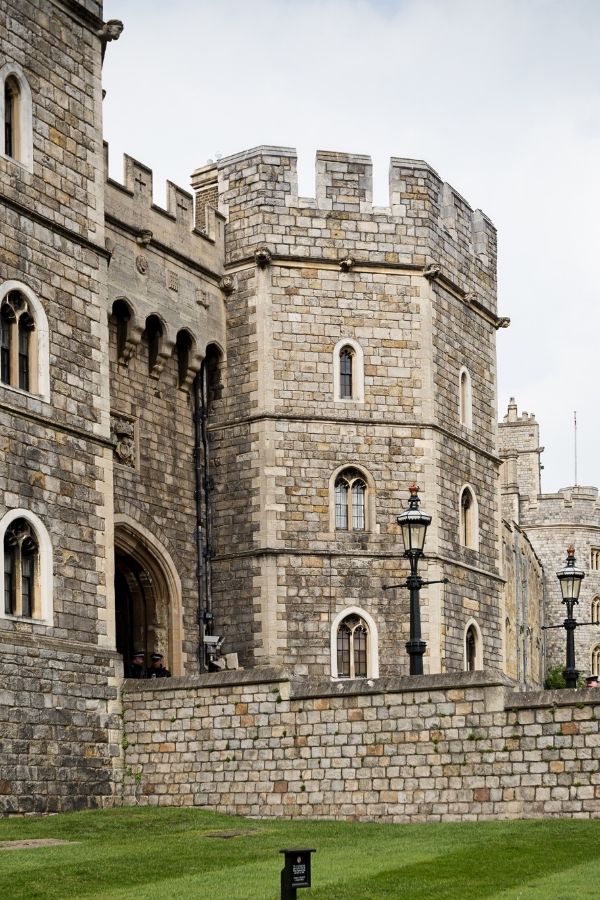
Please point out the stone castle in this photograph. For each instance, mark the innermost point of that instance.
(210, 415)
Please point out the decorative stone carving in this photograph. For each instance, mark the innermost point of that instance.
(144, 235)
(263, 257)
(502, 322)
(227, 284)
(202, 298)
(141, 263)
(172, 281)
(123, 437)
(432, 271)
(110, 31)
(346, 263)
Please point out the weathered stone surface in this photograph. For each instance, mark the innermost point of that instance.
(464, 757)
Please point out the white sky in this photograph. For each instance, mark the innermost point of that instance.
(501, 97)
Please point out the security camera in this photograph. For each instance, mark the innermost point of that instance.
(213, 641)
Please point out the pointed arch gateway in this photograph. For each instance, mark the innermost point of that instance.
(148, 607)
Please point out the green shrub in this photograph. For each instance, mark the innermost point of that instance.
(555, 679)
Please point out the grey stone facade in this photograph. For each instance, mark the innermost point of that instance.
(59, 736)
(176, 453)
(425, 749)
(551, 523)
(413, 286)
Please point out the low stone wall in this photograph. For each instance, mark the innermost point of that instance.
(398, 750)
(59, 728)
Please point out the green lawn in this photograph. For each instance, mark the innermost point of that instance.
(172, 854)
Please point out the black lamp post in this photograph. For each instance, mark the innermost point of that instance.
(570, 580)
(414, 524)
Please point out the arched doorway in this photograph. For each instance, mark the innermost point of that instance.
(147, 597)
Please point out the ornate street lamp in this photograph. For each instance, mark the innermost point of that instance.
(570, 580)
(414, 524)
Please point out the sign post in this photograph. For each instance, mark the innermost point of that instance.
(295, 873)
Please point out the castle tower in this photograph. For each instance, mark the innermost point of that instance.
(360, 358)
(551, 522)
(56, 637)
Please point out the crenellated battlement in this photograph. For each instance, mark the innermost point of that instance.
(427, 222)
(130, 204)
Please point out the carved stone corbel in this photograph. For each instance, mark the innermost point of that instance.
(192, 370)
(432, 271)
(228, 284)
(346, 264)
(164, 353)
(110, 31)
(502, 322)
(263, 257)
(143, 237)
(110, 248)
(134, 336)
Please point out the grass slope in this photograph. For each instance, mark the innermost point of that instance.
(175, 854)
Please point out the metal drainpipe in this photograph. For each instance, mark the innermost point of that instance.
(208, 483)
(199, 465)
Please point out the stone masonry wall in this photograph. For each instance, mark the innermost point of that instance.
(58, 673)
(59, 732)
(556, 520)
(412, 287)
(161, 267)
(395, 750)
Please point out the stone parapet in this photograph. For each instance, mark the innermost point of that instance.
(427, 223)
(173, 229)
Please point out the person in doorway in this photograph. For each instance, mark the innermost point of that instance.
(136, 668)
(591, 681)
(157, 670)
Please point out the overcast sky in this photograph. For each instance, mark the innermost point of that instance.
(501, 97)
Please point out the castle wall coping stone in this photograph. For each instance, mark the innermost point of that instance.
(228, 678)
(303, 688)
(541, 699)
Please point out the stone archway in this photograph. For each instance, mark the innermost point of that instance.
(147, 596)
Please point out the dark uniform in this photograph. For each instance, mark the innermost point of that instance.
(136, 668)
(157, 670)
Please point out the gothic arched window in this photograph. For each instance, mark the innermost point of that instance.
(596, 660)
(596, 611)
(346, 365)
(21, 570)
(350, 501)
(12, 94)
(465, 399)
(18, 343)
(16, 115)
(348, 371)
(470, 648)
(468, 513)
(352, 642)
(473, 647)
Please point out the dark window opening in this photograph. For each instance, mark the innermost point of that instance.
(471, 648)
(154, 334)
(346, 364)
(9, 119)
(184, 348)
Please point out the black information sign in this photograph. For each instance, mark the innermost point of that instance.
(295, 873)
